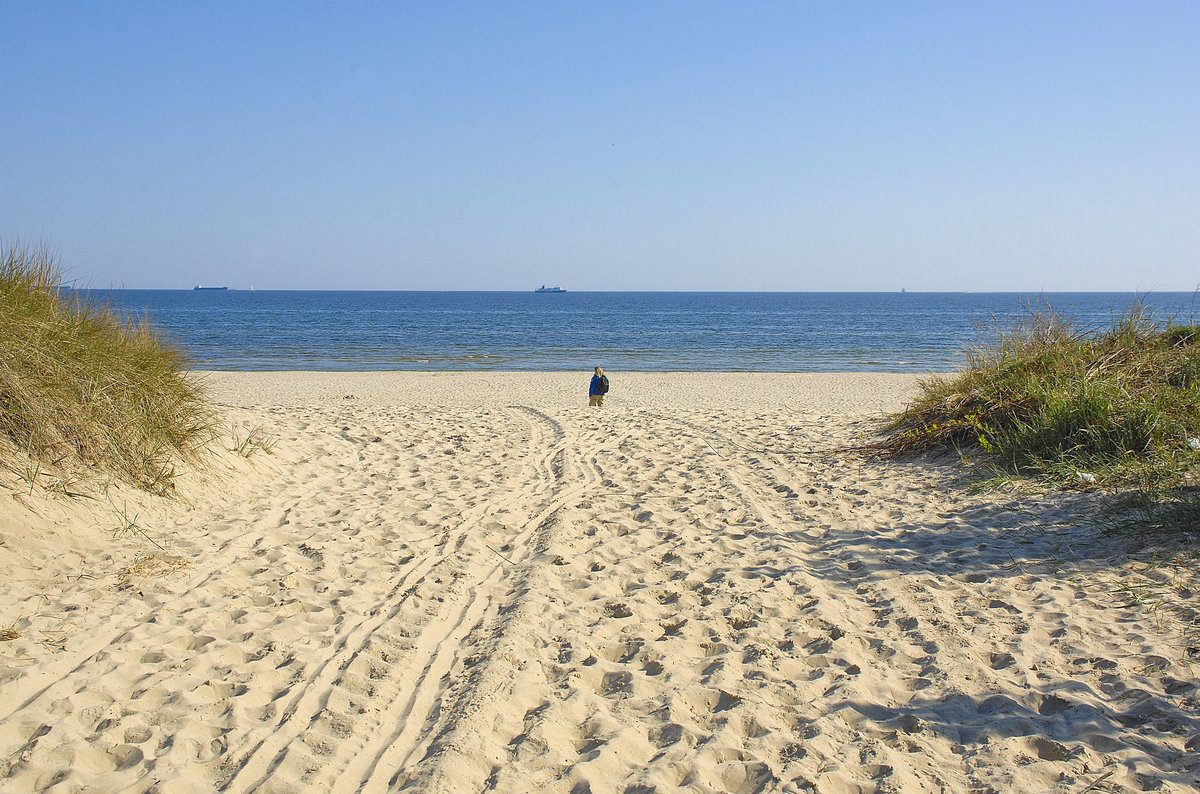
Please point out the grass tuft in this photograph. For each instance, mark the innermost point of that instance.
(86, 391)
(256, 440)
(1118, 407)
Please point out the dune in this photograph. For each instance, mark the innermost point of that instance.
(448, 582)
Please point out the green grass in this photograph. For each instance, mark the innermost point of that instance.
(84, 391)
(1042, 398)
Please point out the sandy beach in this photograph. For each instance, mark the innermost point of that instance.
(466, 582)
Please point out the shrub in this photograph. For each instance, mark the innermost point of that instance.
(1041, 396)
(82, 388)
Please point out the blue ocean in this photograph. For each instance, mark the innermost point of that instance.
(630, 331)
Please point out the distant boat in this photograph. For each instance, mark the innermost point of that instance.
(544, 288)
(202, 288)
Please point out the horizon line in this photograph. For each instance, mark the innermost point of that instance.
(1194, 290)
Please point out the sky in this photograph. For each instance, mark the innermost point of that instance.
(773, 146)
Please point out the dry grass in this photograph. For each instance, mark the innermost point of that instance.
(146, 566)
(84, 391)
(255, 441)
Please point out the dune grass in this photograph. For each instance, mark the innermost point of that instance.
(85, 392)
(1118, 407)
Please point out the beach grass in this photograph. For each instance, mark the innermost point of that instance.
(85, 391)
(1116, 407)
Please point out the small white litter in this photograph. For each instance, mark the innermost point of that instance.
(1086, 476)
(1194, 443)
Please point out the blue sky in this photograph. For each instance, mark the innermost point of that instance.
(606, 146)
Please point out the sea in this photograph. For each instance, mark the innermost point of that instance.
(621, 331)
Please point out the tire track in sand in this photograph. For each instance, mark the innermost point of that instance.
(385, 655)
(454, 589)
(388, 751)
(449, 757)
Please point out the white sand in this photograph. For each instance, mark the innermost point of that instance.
(472, 582)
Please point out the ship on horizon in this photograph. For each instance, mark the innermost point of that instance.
(202, 288)
(544, 288)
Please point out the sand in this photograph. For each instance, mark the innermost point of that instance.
(473, 582)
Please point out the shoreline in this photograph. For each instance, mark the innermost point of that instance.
(820, 392)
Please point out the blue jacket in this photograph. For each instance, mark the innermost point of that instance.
(594, 389)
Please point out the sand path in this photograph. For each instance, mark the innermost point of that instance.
(502, 590)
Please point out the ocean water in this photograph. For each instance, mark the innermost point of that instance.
(629, 331)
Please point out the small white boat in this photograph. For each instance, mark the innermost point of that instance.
(544, 288)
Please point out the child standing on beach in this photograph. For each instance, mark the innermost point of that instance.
(598, 388)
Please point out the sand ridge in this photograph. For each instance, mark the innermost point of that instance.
(472, 582)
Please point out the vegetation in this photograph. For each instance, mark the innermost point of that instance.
(1119, 407)
(85, 391)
